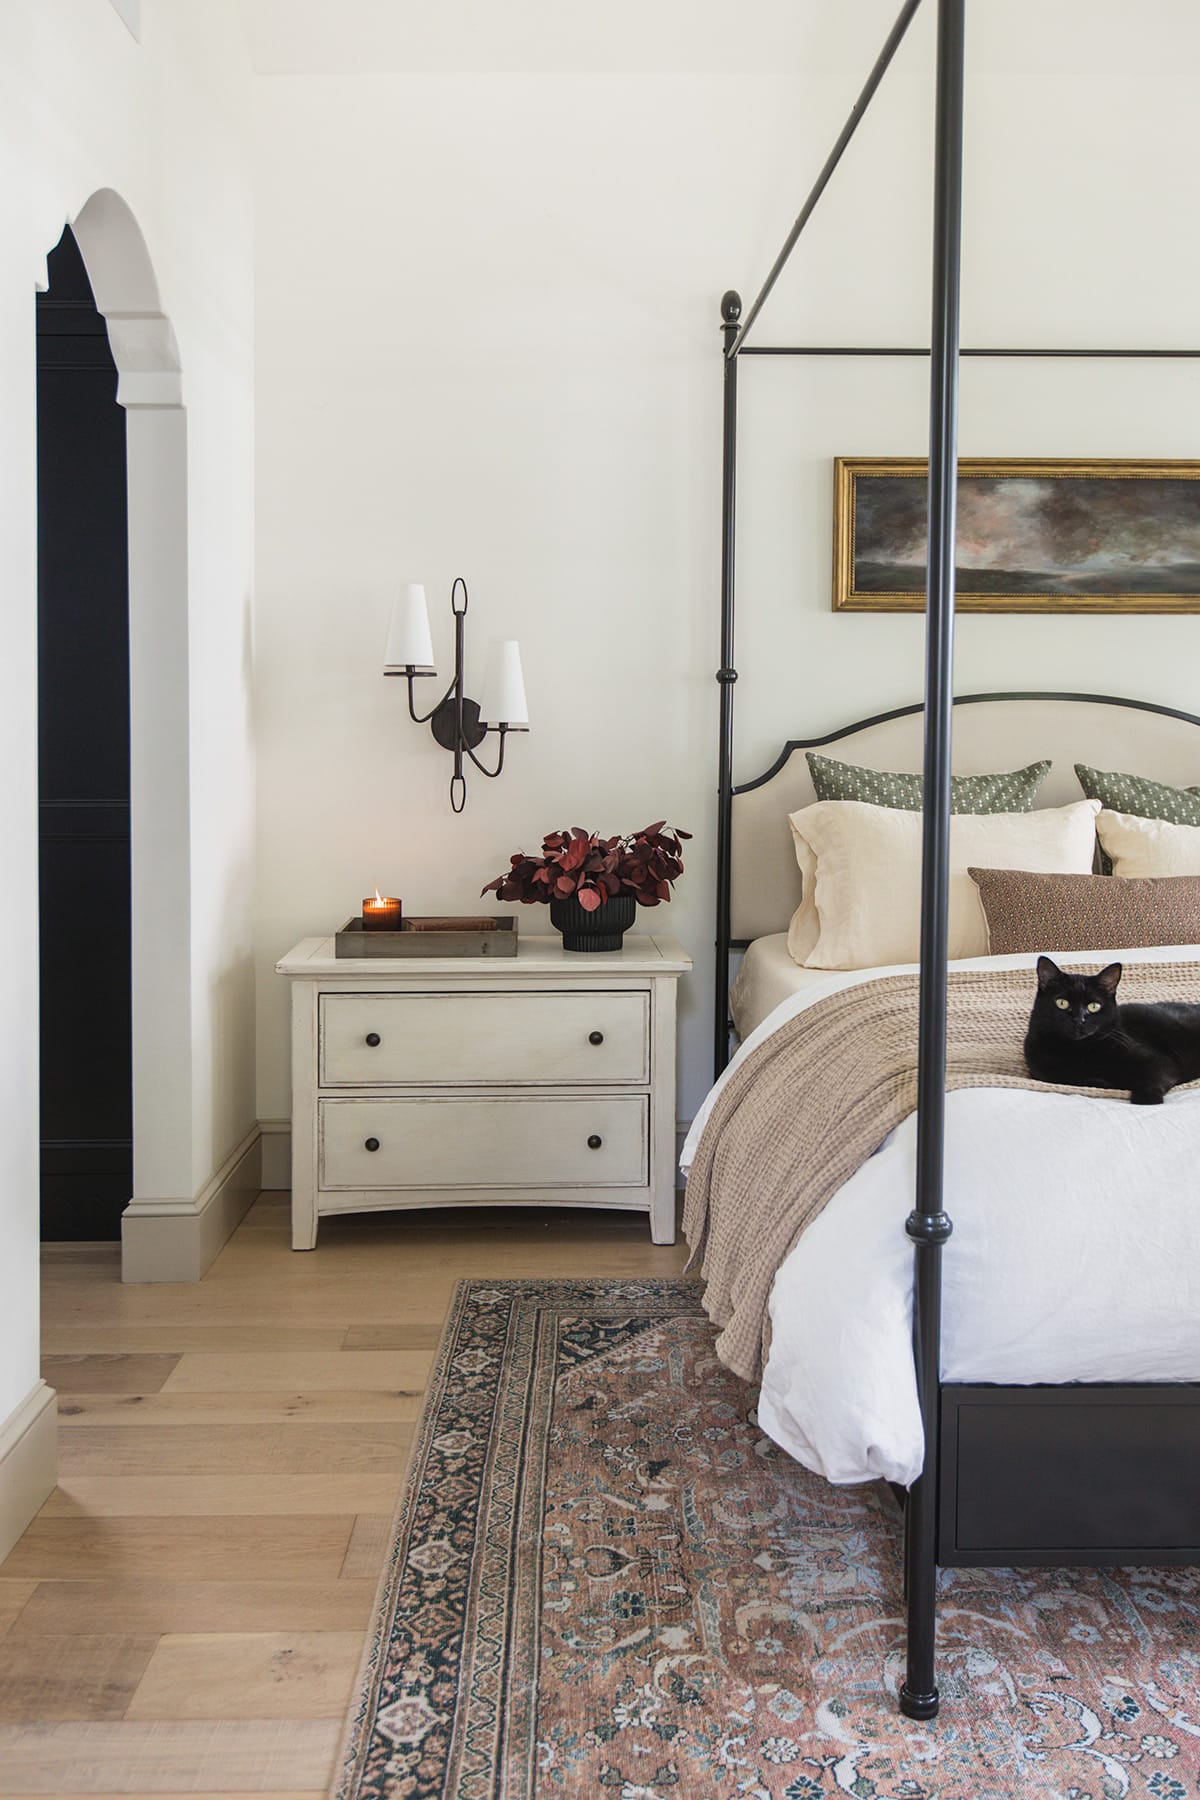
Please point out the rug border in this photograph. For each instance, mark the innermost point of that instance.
(349, 1741)
(352, 1728)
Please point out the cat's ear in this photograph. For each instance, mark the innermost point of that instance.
(1047, 973)
(1108, 978)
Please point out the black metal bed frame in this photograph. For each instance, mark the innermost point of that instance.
(1005, 1467)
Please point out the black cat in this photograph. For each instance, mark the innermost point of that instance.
(1080, 1036)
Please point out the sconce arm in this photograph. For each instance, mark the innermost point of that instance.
(483, 769)
(424, 718)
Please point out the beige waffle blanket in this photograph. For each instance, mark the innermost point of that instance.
(812, 1103)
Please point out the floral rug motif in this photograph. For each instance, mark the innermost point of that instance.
(606, 1581)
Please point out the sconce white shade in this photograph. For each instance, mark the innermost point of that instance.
(504, 701)
(409, 643)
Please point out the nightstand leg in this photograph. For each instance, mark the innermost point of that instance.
(304, 1224)
(662, 1114)
(662, 1215)
(304, 1115)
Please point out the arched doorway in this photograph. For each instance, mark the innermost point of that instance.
(149, 389)
(83, 765)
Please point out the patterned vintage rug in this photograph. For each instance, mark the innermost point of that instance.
(605, 1581)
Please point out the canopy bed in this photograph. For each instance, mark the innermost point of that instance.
(1013, 1461)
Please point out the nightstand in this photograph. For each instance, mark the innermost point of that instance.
(545, 1079)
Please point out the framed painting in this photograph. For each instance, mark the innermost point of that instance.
(1049, 536)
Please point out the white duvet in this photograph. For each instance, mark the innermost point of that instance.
(1075, 1257)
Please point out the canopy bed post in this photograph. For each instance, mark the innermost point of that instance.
(731, 311)
(928, 1224)
(734, 335)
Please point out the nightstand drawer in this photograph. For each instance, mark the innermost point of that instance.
(484, 1039)
(493, 1141)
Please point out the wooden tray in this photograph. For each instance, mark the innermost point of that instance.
(413, 941)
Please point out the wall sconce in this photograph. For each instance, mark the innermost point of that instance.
(459, 725)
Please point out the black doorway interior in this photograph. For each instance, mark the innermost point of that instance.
(83, 765)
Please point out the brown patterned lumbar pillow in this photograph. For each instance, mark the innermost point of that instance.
(1026, 911)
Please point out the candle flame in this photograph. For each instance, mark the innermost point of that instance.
(378, 895)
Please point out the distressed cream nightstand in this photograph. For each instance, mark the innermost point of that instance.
(546, 1078)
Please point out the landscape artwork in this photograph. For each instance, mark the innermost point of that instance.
(1061, 536)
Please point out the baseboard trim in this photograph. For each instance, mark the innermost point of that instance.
(28, 1462)
(176, 1240)
(276, 1154)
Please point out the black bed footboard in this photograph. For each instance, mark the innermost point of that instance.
(1091, 1474)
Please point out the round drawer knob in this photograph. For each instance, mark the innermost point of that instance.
(595, 1037)
(371, 1144)
(594, 1142)
(373, 1039)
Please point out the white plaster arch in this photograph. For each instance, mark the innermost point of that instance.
(123, 281)
(149, 387)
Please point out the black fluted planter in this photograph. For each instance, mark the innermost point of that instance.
(599, 930)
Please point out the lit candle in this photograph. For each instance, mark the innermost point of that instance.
(381, 914)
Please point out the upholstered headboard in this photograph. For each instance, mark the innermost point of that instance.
(991, 732)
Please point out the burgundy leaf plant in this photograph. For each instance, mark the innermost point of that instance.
(580, 865)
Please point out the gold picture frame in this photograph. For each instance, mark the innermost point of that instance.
(1129, 547)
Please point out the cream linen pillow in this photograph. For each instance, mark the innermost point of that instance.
(861, 866)
(805, 926)
(1148, 846)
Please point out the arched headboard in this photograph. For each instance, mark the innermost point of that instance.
(991, 732)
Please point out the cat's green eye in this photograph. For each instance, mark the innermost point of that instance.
(1062, 1002)
(1093, 1006)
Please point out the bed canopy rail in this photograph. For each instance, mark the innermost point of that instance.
(1030, 353)
(895, 38)
(928, 1224)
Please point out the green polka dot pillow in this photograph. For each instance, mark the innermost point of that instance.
(1138, 795)
(1011, 792)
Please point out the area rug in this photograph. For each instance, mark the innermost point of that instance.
(606, 1581)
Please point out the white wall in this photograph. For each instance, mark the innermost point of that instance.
(84, 106)
(487, 344)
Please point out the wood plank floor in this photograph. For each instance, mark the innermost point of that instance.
(185, 1615)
